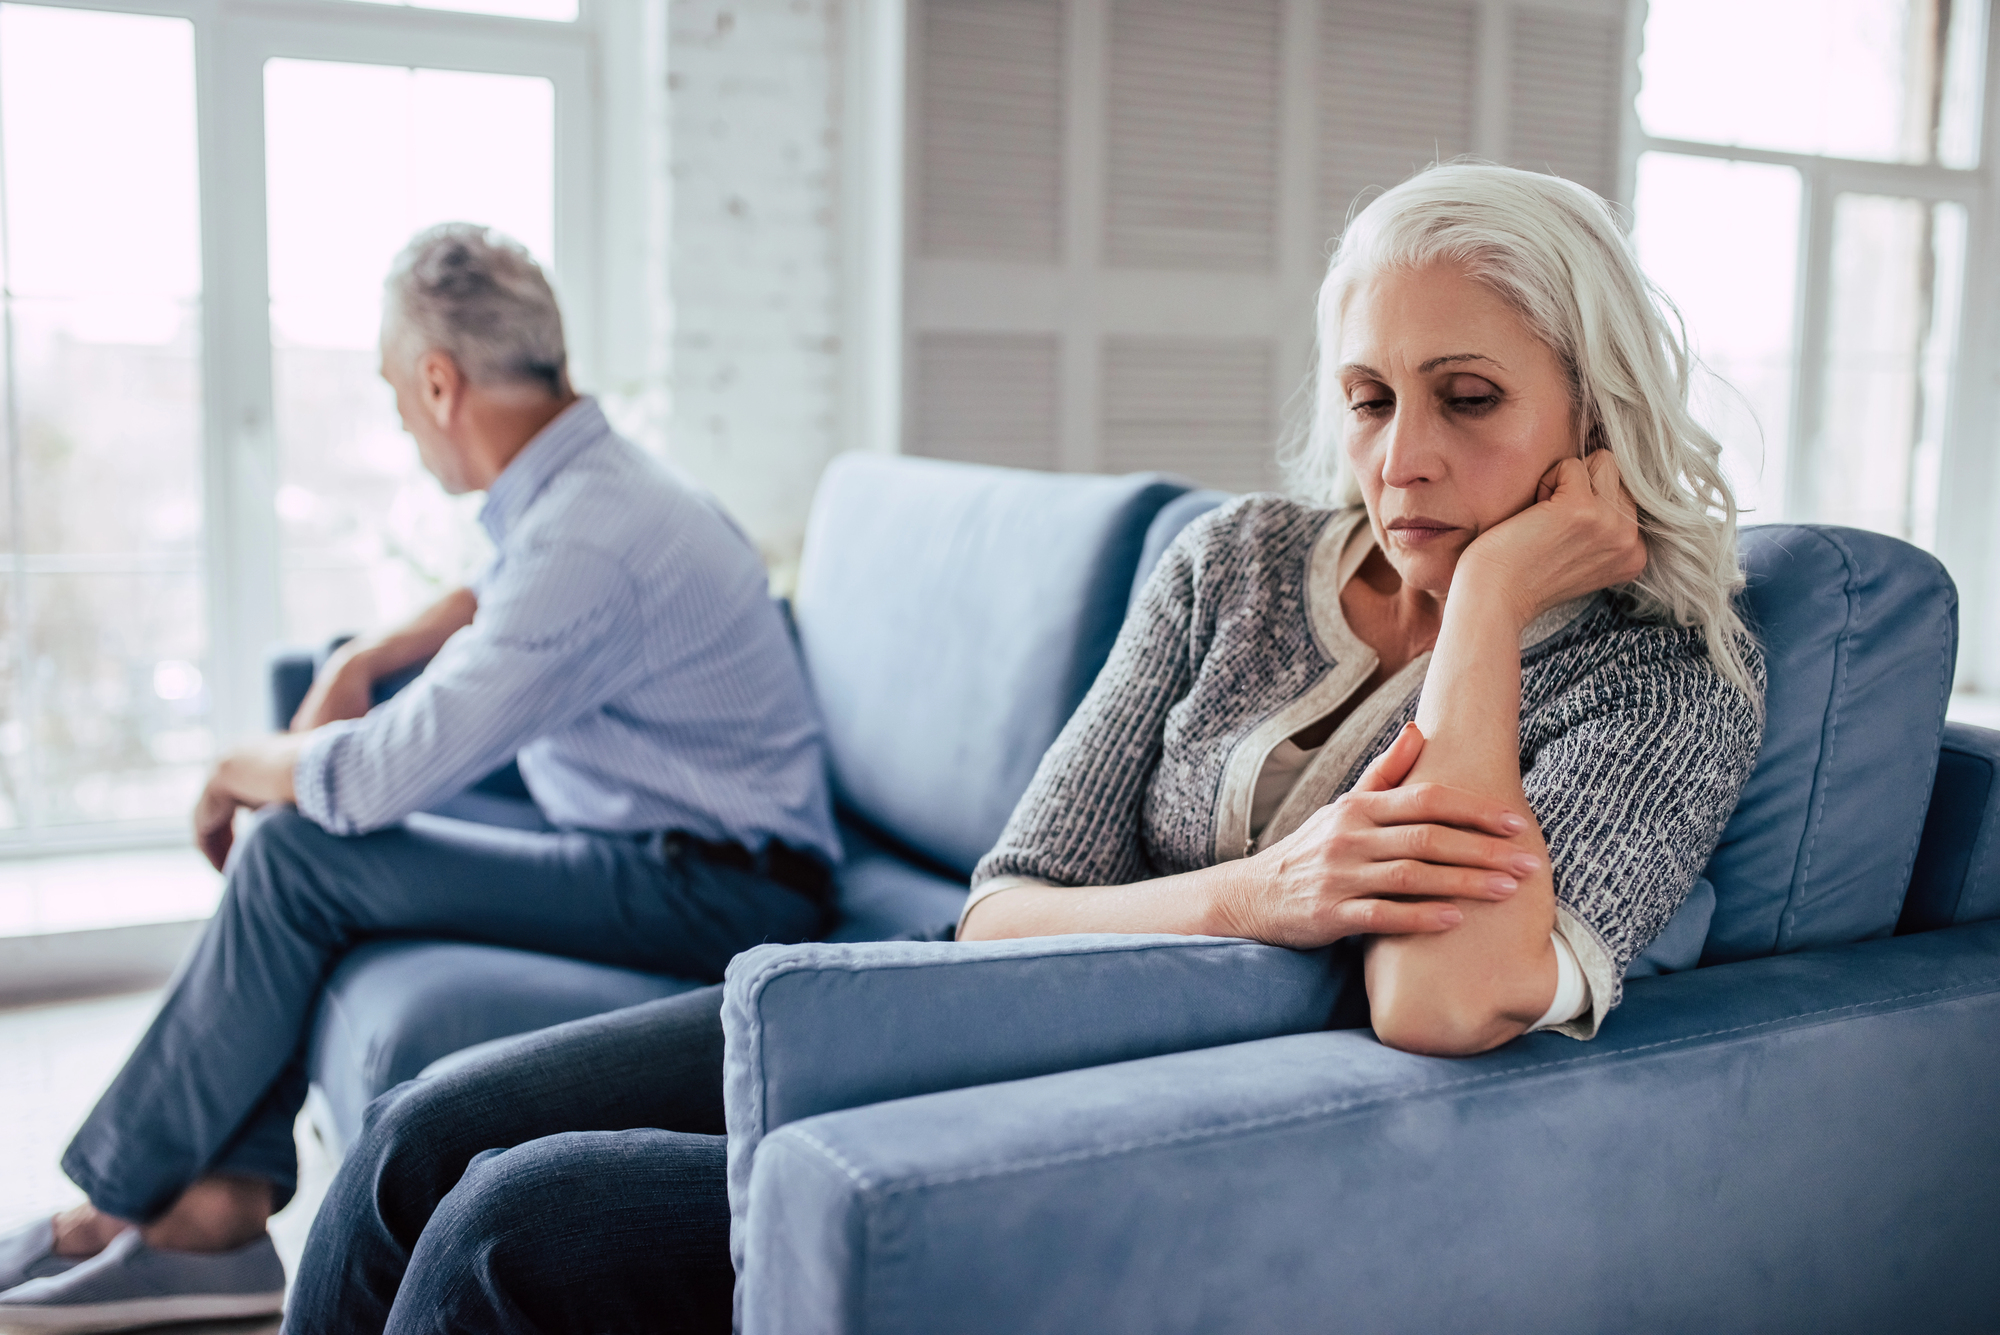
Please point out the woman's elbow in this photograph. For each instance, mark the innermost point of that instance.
(1435, 1030)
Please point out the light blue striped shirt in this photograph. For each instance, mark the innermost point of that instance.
(625, 648)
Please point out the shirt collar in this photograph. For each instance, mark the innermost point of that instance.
(570, 432)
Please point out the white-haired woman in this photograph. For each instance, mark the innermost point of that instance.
(1556, 745)
(1496, 390)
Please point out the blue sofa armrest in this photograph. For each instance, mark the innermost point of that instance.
(1957, 874)
(817, 1027)
(1802, 1142)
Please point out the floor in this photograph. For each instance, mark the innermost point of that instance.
(54, 1061)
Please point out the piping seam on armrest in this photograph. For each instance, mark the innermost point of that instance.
(1298, 1115)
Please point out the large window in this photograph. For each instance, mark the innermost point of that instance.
(1819, 218)
(197, 207)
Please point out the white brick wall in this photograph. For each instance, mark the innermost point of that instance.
(753, 94)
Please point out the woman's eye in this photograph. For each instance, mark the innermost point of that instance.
(1369, 400)
(1471, 394)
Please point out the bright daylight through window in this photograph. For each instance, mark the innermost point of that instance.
(1839, 368)
(106, 712)
(353, 171)
(199, 466)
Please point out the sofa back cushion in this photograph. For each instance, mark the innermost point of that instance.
(1860, 632)
(951, 617)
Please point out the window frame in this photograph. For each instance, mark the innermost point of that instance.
(241, 554)
(1969, 489)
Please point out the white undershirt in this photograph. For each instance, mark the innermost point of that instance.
(1281, 771)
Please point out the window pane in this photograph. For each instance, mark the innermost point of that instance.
(106, 713)
(1897, 271)
(1879, 79)
(1721, 239)
(355, 169)
(122, 731)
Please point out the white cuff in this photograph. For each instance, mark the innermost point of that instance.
(992, 885)
(1572, 988)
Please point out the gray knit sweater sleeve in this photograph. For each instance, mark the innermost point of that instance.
(1079, 821)
(1632, 760)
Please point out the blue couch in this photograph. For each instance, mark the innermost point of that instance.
(1153, 1134)
(950, 617)
(1164, 1134)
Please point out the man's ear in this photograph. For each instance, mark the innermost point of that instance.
(439, 384)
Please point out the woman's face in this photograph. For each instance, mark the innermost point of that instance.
(1452, 412)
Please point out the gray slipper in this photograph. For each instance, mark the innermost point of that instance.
(30, 1253)
(129, 1284)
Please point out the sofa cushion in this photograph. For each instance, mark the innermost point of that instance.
(884, 894)
(391, 1008)
(1859, 632)
(1174, 516)
(1957, 877)
(951, 616)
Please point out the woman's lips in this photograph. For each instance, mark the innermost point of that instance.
(1419, 532)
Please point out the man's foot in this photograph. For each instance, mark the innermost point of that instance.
(129, 1284)
(30, 1253)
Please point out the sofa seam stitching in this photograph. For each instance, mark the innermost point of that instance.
(1830, 732)
(1323, 1109)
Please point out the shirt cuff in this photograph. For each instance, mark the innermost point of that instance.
(1603, 979)
(312, 774)
(990, 886)
(1572, 988)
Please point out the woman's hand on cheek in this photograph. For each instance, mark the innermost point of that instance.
(1381, 860)
(1582, 534)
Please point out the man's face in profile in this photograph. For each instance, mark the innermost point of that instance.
(434, 448)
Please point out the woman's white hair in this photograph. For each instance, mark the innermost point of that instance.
(478, 296)
(1555, 253)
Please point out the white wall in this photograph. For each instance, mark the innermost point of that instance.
(753, 92)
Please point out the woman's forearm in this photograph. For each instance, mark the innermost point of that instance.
(1487, 980)
(1186, 905)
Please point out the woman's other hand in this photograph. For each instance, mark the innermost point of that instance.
(1379, 860)
(1582, 534)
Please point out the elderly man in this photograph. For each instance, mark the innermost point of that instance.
(621, 644)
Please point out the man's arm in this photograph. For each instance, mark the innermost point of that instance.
(342, 688)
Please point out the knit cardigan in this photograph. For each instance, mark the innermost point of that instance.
(1633, 747)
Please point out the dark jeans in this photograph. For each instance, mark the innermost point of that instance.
(217, 1080)
(571, 1180)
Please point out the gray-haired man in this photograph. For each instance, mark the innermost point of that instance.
(621, 644)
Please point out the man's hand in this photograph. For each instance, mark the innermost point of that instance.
(340, 690)
(250, 776)
(1382, 859)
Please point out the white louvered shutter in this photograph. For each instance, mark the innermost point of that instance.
(1396, 93)
(1122, 207)
(1565, 108)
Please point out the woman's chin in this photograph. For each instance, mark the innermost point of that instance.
(1425, 571)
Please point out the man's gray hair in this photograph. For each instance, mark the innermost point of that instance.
(479, 297)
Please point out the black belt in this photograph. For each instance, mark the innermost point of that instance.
(789, 867)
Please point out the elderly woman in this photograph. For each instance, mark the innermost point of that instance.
(1496, 390)
(1483, 704)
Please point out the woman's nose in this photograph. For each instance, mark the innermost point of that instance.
(1412, 449)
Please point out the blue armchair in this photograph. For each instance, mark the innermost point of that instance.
(950, 616)
(1163, 1134)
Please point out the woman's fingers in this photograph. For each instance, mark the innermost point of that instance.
(1407, 878)
(1390, 917)
(1393, 765)
(1437, 804)
(1444, 846)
